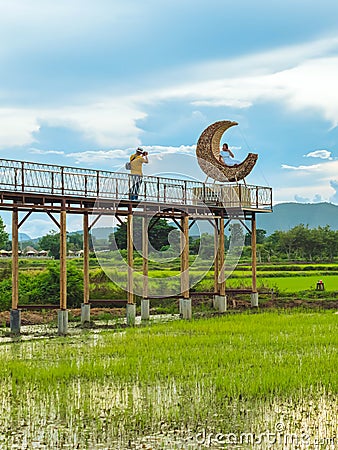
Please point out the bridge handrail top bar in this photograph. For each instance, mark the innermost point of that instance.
(110, 173)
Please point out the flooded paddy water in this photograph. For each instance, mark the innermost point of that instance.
(204, 384)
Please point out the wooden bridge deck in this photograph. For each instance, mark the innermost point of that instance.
(50, 187)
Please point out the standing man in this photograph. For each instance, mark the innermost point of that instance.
(136, 162)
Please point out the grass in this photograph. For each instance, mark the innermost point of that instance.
(228, 373)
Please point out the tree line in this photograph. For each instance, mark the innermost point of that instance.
(298, 243)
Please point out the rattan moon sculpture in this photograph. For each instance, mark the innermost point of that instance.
(207, 152)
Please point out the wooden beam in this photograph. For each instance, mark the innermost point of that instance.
(25, 218)
(154, 222)
(145, 256)
(53, 219)
(85, 258)
(15, 259)
(63, 261)
(130, 259)
(254, 253)
(179, 225)
(94, 222)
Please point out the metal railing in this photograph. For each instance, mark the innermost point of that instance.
(47, 179)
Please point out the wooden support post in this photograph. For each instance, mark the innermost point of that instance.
(254, 253)
(85, 306)
(145, 255)
(216, 257)
(221, 258)
(85, 259)
(185, 258)
(130, 260)
(15, 259)
(181, 258)
(63, 261)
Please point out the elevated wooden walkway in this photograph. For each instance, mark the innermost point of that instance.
(31, 187)
(49, 187)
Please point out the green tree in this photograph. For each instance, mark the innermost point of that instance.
(158, 231)
(204, 246)
(75, 241)
(236, 233)
(51, 242)
(3, 235)
(45, 287)
(260, 237)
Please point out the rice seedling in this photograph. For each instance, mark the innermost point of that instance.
(170, 384)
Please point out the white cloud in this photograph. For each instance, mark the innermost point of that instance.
(314, 167)
(37, 151)
(314, 182)
(307, 192)
(98, 156)
(17, 127)
(158, 151)
(316, 199)
(108, 123)
(322, 154)
(324, 171)
(113, 156)
(295, 76)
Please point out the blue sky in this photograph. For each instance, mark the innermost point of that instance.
(82, 83)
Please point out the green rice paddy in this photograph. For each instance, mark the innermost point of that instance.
(177, 384)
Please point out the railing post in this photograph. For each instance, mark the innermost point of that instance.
(185, 193)
(15, 178)
(62, 182)
(52, 188)
(270, 190)
(22, 176)
(85, 185)
(240, 195)
(257, 199)
(158, 189)
(97, 183)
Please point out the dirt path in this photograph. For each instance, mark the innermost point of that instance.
(50, 316)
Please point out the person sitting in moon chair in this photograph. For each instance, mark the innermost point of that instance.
(227, 157)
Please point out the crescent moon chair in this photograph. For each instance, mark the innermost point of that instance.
(207, 152)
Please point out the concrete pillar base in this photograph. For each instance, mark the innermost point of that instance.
(254, 298)
(221, 303)
(215, 301)
(180, 308)
(85, 313)
(186, 308)
(62, 322)
(15, 321)
(131, 314)
(145, 309)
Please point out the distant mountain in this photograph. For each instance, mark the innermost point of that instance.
(98, 232)
(287, 215)
(22, 237)
(103, 232)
